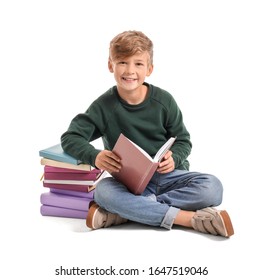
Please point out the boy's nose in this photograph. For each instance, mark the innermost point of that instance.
(130, 69)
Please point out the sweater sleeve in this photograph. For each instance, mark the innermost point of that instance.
(176, 127)
(83, 129)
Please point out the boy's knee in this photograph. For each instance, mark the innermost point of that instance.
(215, 191)
(101, 191)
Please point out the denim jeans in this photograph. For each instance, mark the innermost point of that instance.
(162, 199)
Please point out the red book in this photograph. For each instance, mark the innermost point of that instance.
(56, 173)
(86, 179)
(78, 188)
(137, 165)
(55, 169)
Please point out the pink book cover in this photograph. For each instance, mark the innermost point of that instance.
(65, 201)
(78, 176)
(47, 210)
(78, 188)
(71, 177)
(137, 168)
(137, 165)
(54, 169)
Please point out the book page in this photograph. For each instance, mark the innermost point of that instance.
(162, 151)
(141, 150)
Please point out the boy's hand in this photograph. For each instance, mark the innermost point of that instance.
(167, 164)
(107, 160)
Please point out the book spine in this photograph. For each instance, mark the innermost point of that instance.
(65, 201)
(60, 158)
(89, 195)
(56, 152)
(70, 182)
(54, 169)
(53, 211)
(79, 188)
(70, 176)
(60, 164)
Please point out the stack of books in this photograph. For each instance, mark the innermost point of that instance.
(70, 184)
(63, 203)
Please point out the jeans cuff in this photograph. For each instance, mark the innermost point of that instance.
(169, 217)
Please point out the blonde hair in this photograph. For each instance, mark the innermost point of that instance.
(129, 43)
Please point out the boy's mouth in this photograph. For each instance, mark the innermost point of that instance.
(129, 79)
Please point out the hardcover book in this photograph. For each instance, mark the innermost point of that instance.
(137, 165)
(54, 169)
(61, 164)
(55, 173)
(70, 182)
(47, 210)
(77, 188)
(73, 179)
(56, 152)
(65, 201)
(89, 195)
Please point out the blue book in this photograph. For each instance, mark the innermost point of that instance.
(57, 153)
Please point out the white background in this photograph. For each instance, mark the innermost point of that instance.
(53, 63)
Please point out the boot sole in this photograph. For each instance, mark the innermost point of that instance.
(91, 212)
(227, 222)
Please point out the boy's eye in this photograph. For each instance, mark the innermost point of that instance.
(124, 63)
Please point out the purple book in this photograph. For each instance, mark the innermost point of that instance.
(47, 210)
(65, 201)
(74, 193)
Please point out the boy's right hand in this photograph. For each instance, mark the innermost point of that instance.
(107, 160)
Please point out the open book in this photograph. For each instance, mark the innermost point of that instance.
(137, 165)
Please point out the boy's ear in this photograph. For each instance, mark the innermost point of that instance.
(110, 66)
(150, 70)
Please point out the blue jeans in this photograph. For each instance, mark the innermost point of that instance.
(162, 199)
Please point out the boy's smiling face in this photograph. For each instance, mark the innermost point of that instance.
(130, 72)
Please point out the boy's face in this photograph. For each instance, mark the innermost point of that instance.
(130, 72)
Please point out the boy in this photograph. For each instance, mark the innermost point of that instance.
(148, 116)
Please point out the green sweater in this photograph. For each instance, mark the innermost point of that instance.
(149, 124)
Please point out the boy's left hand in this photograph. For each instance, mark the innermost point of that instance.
(167, 164)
